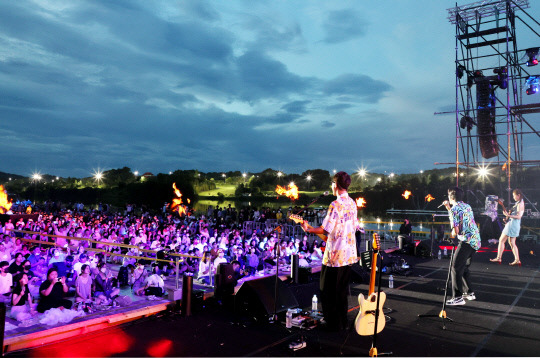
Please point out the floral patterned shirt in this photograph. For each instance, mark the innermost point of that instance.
(341, 223)
(462, 218)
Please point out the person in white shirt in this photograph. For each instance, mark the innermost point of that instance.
(6, 281)
(220, 259)
(153, 284)
(205, 269)
(4, 254)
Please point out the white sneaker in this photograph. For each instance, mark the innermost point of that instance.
(469, 296)
(457, 301)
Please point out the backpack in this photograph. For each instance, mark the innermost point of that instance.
(123, 278)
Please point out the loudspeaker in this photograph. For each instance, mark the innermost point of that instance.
(256, 297)
(294, 268)
(224, 280)
(359, 274)
(423, 249)
(487, 136)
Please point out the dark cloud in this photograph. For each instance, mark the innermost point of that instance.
(338, 107)
(356, 86)
(296, 106)
(327, 124)
(344, 25)
(262, 76)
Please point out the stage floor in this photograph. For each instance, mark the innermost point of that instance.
(502, 321)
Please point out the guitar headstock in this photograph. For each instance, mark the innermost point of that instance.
(296, 218)
(376, 241)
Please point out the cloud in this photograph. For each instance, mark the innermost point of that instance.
(344, 25)
(327, 124)
(296, 106)
(356, 86)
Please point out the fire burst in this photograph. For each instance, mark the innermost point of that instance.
(290, 192)
(177, 202)
(429, 198)
(5, 205)
(361, 202)
(406, 194)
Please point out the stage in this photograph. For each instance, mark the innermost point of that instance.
(502, 321)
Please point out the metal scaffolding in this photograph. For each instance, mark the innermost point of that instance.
(491, 78)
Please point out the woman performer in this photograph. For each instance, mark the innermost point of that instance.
(511, 229)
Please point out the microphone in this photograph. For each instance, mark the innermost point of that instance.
(443, 204)
(324, 194)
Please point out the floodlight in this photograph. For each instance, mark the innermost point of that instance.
(532, 53)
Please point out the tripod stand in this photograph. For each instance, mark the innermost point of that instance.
(442, 314)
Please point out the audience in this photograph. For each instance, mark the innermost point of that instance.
(72, 268)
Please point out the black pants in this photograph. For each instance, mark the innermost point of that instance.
(334, 289)
(460, 269)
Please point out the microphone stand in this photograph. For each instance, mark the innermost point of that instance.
(277, 229)
(312, 202)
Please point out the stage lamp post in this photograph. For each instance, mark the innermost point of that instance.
(244, 176)
(483, 172)
(362, 174)
(98, 177)
(36, 177)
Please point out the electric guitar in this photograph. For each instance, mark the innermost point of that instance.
(365, 321)
(505, 220)
(299, 220)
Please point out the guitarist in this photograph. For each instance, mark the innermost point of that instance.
(339, 225)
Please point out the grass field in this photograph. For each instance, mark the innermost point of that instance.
(225, 189)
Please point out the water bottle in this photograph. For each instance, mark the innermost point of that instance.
(439, 256)
(288, 319)
(445, 252)
(314, 304)
(391, 281)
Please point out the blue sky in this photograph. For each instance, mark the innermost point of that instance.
(226, 85)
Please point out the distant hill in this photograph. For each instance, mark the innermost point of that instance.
(5, 177)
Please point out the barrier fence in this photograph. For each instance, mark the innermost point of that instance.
(105, 252)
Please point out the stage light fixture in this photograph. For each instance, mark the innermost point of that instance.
(466, 122)
(502, 77)
(460, 71)
(534, 83)
(532, 53)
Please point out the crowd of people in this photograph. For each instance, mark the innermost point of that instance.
(74, 273)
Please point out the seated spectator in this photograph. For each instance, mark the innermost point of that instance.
(153, 285)
(22, 306)
(4, 254)
(252, 259)
(34, 256)
(83, 258)
(6, 281)
(105, 290)
(220, 259)
(31, 278)
(83, 285)
(16, 266)
(205, 269)
(52, 292)
(41, 269)
(57, 256)
(138, 278)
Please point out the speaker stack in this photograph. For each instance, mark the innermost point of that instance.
(485, 101)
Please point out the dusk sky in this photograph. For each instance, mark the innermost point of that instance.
(227, 85)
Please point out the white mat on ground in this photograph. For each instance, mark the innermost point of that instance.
(56, 315)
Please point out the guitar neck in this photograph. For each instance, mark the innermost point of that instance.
(299, 220)
(373, 274)
(322, 236)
